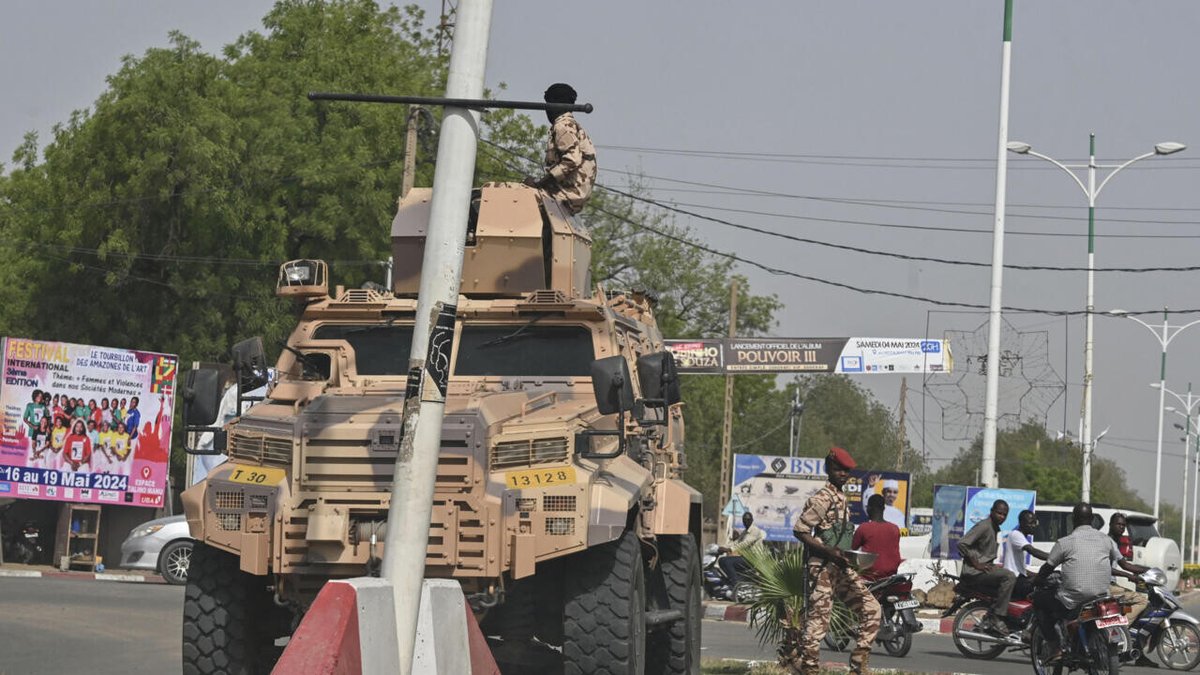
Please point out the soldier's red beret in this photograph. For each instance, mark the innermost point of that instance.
(841, 457)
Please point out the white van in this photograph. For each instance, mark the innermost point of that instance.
(1150, 549)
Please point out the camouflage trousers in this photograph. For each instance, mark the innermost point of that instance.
(827, 582)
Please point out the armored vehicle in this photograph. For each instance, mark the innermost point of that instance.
(559, 504)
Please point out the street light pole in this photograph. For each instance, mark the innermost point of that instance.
(1164, 337)
(1091, 191)
(992, 393)
(1188, 404)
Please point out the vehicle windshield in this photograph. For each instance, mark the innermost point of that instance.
(525, 350)
(1141, 531)
(379, 349)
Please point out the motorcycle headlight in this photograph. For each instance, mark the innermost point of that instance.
(145, 531)
(1155, 577)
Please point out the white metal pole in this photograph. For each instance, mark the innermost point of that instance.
(1162, 403)
(1088, 341)
(411, 504)
(992, 401)
(1195, 499)
(1187, 437)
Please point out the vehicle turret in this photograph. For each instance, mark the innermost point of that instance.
(519, 240)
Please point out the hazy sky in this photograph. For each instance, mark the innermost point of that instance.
(859, 121)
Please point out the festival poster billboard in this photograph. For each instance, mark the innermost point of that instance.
(775, 489)
(949, 516)
(957, 508)
(84, 423)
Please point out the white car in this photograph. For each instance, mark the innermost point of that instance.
(163, 545)
(1149, 549)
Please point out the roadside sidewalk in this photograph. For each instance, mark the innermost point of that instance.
(48, 572)
(716, 610)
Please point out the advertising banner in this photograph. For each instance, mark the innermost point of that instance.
(85, 424)
(855, 355)
(774, 489)
(957, 508)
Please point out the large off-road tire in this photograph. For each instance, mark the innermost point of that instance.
(225, 618)
(675, 650)
(604, 611)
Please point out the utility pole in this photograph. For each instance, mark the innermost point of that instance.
(410, 148)
(727, 427)
(902, 434)
(411, 507)
(794, 431)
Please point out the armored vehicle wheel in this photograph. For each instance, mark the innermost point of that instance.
(224, 617)
(604, 613)
(676, 648)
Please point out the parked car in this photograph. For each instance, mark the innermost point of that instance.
(1149, 547)
(163, 545)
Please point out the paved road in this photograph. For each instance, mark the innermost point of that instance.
(54, 626)
(930, 654)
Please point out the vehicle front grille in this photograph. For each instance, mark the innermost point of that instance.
(260, 447)
(230, 522)
(527, 452)
(560, 526)
(229, 500)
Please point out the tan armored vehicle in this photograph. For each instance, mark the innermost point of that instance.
(558, 507)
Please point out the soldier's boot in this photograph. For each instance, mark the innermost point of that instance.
(858, 662)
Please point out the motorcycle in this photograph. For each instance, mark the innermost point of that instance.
(971, 605)
(1093, 638)
(1164, 629)
(24, 546)
(898, 619)
(718, 585)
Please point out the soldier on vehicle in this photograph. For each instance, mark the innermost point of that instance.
(978, 550)
(570, 155)
(825, 530)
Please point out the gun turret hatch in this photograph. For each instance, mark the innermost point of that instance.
(519, 240)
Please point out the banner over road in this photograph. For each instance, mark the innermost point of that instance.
(854, 355)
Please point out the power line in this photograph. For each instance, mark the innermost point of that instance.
(782, 272)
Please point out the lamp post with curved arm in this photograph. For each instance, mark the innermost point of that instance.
(1092, 191)
(1164, 334)
(1188, 404)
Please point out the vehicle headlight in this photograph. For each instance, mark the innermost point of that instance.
(145, 531)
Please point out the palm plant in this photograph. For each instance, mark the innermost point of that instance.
(777, 611)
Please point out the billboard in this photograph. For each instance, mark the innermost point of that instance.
(957, 508)
(84, 423)
(855, 355)
(775, 489)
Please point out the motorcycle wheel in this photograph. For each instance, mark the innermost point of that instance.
(745, 593)
(838, 641)
(1179, 647)
(966, 619)
(1039, 650)
(899, 645)
(1104, 657)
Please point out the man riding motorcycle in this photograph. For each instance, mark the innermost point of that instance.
(735, 565)
(1087, 557)
(978, 551)
(1018, 553)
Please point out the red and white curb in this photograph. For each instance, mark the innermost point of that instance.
(80, 576)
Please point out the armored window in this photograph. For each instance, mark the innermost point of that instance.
(527, 350)
(379, 349)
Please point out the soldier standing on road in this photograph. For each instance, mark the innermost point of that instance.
(570, 155)
(825, 530)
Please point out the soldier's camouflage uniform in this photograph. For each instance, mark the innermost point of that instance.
(825, 508)
(571, 162)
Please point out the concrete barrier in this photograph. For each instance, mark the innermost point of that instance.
(350, 630)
